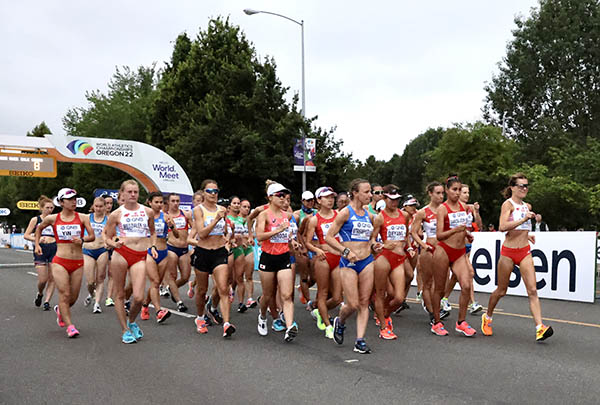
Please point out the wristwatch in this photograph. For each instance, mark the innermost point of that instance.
(346, 252)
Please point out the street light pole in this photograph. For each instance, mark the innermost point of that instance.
(249, 11)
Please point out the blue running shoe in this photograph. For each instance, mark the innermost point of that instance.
(135, 329)
(128, 337)
(338, 331)
(360, 346)
(278, 325)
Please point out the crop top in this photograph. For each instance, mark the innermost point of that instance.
(393, 228)
(357, 228)
(67, 231)
(519, 212)
(133, 223)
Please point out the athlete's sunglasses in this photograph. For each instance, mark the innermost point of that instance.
(523, 186)
(280, 194)
(212, 191)
(378, 192)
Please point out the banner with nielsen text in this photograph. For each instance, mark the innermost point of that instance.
(565, 265)
(310, 149)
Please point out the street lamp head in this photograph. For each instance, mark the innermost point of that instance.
(250, 11)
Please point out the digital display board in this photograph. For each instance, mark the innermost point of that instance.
(27, 165)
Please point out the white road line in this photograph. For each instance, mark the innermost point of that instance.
(28, 264)
(175, 312)
(351, 361)
(31, 273)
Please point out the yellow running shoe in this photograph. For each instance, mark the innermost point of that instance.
(486, 325)
(543, 333)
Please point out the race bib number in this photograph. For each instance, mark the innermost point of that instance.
(457, 219)
(180, 222)
(68, 231)
(98, 228)
(281, 237)
(396, 232)
(361, 230)
(518, 214)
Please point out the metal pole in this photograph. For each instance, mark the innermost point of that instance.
(303, 115)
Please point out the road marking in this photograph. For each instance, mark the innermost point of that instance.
(32, 273)
(351, 361)
(28, 264)
(175, 312)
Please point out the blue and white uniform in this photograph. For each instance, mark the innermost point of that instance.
(358, 228)
(162, 232)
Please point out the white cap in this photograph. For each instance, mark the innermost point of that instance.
(308, 195)
(64, 193)
(410, 200)
(324, 192)
(275, 188)
(380, 205)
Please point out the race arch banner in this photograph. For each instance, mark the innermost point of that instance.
(155, 169)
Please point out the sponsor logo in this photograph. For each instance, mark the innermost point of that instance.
(114, 149)
(165, 171)
(78, 146)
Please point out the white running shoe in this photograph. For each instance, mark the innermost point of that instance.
(475, 307)
(262, 325)
(88, 300)
(445, 304)
(97, 308)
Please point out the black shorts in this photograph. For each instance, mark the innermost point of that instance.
(274, 263)
(207, 260)
(48, 252)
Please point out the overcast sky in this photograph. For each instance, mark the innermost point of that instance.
(382, 72)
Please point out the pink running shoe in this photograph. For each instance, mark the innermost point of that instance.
(465, 329)
(59, 319)
(72, 332)
(145, 314)
(438, 329)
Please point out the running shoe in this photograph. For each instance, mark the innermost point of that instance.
(317, 316)
(475, 307)
(360, 346)
(250, 303)
(231, 295)
(127, 305)
(97, 309)
(402, 307)
(207, 319)
(444, 314)
(145, 314)
(242, 308)
(329, 332)
(88, 300)
(431, 318)
(445, 304)
(465, 329)
(309, 306)
(201, 326)
(338, 330)
(38, 300)
(486, 325)
(190, 290)
(377, 323)
(262, 325)
(46, 306)
(59, 319)
(135, 329)
(282, 316)
(109, 302)
(291, 332)
(72, 332)
(162, 315)
(424, 306)
(164, 291)
(214, 314)
(128, 337)
(543, 333)
(388, 323)
(419, 295)
(181, 307)
(228, 330)
(278, 325)
(302, 298)
(438, 329)
(387, 334)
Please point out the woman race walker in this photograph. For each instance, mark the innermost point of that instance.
(135, 222)
(95, 256)
(211, 259)
(157, 267)
(354, 225)
(327, 272)
(248, 245)
(450, 252)
(43, 262)
(272, 229)
(178, 249)
(515, 220)
(67, 264)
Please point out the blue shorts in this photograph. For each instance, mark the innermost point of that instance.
(292, 259)
(468, 247)
(48, 252)
(94, 253)
(356, 266)
(310, 255)
(161, 254)
(178, 251)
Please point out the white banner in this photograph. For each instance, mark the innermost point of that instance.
(565, 265)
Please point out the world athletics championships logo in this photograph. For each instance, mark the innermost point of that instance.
(80, 146)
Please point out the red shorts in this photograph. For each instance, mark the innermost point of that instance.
(394, 259)
(132, 256)
(69, 264)
(516, 255)
(453, 253)
(333, 260)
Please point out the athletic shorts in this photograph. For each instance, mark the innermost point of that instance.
(453, 253)
(208, 259)
(69, 264)
(356, 266)
(131, 256)
(274, 263)
(237, 252)
(178, 251)
(161, 255)
(394, 259)
(48, 252)
(292, 259)
(516, 255)
(333, 260)
(94, 253)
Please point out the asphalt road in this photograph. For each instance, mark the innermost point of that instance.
(175, 365)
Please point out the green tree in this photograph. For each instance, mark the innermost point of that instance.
(40, 130)
(547, 87)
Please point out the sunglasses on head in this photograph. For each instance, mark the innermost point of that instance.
(378, 192)
(523, 186)
(212, 191)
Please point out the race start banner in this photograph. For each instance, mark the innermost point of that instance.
(310, 148)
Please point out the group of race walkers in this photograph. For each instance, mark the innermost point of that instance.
(361, 248)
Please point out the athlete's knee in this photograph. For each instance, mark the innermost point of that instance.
(501, 291)
(532, 291)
